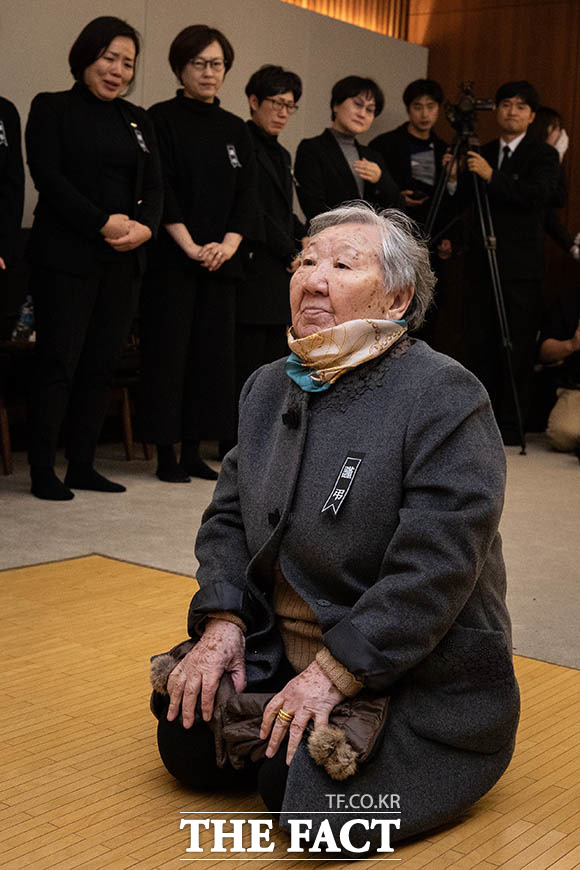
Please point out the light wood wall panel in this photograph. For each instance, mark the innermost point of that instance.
(382, 16)
(492, 41)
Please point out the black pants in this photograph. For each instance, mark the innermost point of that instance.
(189, 754)
(188, 357)
(82, 323)
(486, 355)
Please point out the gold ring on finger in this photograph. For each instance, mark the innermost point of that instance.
(284, 717)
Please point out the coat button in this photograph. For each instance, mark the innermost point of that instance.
(274, 518)
(323, 602)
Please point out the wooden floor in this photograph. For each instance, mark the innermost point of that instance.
(81, 784)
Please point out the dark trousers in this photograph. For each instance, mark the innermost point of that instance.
(486, 356)
(82, 323)
(189, 754)
(188, 357)
(257, 345)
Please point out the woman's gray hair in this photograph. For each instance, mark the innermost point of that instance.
(404, 252)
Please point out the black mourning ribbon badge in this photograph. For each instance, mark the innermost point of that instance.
(233, 156)
(341, 488)
(140, 138)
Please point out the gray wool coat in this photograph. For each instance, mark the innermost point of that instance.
(403, 569)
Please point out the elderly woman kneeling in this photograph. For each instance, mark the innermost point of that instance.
(350, 563)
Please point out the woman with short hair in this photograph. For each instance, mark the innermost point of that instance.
(334, 167)
(93, 159)
(188, 313)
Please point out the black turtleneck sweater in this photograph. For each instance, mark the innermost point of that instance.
(87, 162)
(208, 169)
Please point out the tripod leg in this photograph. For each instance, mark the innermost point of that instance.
(490, 244)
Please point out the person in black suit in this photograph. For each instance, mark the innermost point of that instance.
(11, 180)
(189, 295)
(522, 176)
(412, 152)
(263, 311)
(94, 161)
(334, 167)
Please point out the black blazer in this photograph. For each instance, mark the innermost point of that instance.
(65, 164)
(264, 297)
(11, 178)
(518, 198)
(325, 180)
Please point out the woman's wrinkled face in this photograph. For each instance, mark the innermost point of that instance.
(340, 278)
(203, 75)
(112, 72)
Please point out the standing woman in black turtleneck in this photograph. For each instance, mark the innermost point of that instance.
(188, 311)
(94, 161)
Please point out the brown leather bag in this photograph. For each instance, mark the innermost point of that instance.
(355, 725)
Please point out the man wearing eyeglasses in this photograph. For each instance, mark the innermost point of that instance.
(263, 311)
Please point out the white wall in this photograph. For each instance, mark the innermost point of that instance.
(36, 35)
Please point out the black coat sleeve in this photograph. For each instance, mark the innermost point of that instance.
(11, 179)
(172, 210)
(242, 218)
(150, 208)
(385, 192)
(45, 160)
(309, 172)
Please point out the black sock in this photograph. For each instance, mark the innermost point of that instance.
(45, 484)
(82, 475)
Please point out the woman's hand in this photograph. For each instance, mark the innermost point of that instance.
(221, 648)
(135, 236)
(310, 695)
(2, 263)
(215, 254)
(368, 170)
(116, 227)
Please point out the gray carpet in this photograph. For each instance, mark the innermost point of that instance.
(154, 524)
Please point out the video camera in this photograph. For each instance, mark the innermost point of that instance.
(461, 115)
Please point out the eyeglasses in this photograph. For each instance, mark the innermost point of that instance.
(282, 105)
(216, 64)
(368, 108)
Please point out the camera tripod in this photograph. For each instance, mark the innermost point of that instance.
(466, 140)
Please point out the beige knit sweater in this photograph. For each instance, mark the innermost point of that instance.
(301, 635)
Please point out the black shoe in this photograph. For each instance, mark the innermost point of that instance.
(173, 473)
(82, 475)
(198, 468)
(577, 452)
(45, 484)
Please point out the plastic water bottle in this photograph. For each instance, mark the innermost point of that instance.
(24, 329)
